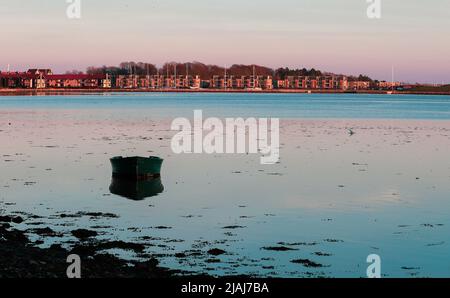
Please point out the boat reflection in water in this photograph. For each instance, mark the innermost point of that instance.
(136, 189)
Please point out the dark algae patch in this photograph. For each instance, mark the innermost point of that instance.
(213, 260)
(216, 252)
(297, 243)
(162, 228)
(278, 248)
(322, 254)
(48, 232)
(333, 240)
(20, 259)
(307, 263)
(89, 214)
(83, 233)
(233, 227)
(410, 268)
(11, 219)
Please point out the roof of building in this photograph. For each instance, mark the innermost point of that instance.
(17, 75)
(29, 75)
(75, 77)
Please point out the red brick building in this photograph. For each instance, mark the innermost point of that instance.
(77, 81)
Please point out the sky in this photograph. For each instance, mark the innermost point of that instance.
(331, 35)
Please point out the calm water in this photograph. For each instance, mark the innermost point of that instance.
(257, 105)
(333, 199)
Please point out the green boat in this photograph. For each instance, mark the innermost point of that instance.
(136, 167)
(136, 189)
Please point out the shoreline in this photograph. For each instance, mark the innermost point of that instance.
(68, 91)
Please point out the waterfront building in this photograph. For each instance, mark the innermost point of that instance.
(77, 81)
(43, 78)
(387, 85)
(359, 85)
(127, 81)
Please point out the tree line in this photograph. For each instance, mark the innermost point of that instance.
(205, 70)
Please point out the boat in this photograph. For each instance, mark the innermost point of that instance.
(136, 167)
(136, 190)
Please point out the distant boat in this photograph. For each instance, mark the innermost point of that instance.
(136, 167)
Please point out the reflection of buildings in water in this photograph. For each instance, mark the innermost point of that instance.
(136, 189)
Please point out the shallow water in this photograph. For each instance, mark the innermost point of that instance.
(333, 199)
(341, 106)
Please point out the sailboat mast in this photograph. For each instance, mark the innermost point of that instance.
(392, 82)
(225, 82)
(254, 78)
(175, 73)
(187, 76)
(167, 77)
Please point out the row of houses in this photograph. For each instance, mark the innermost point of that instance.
(313, 82)
(44, 78)
(193, 82)
(233, 82)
